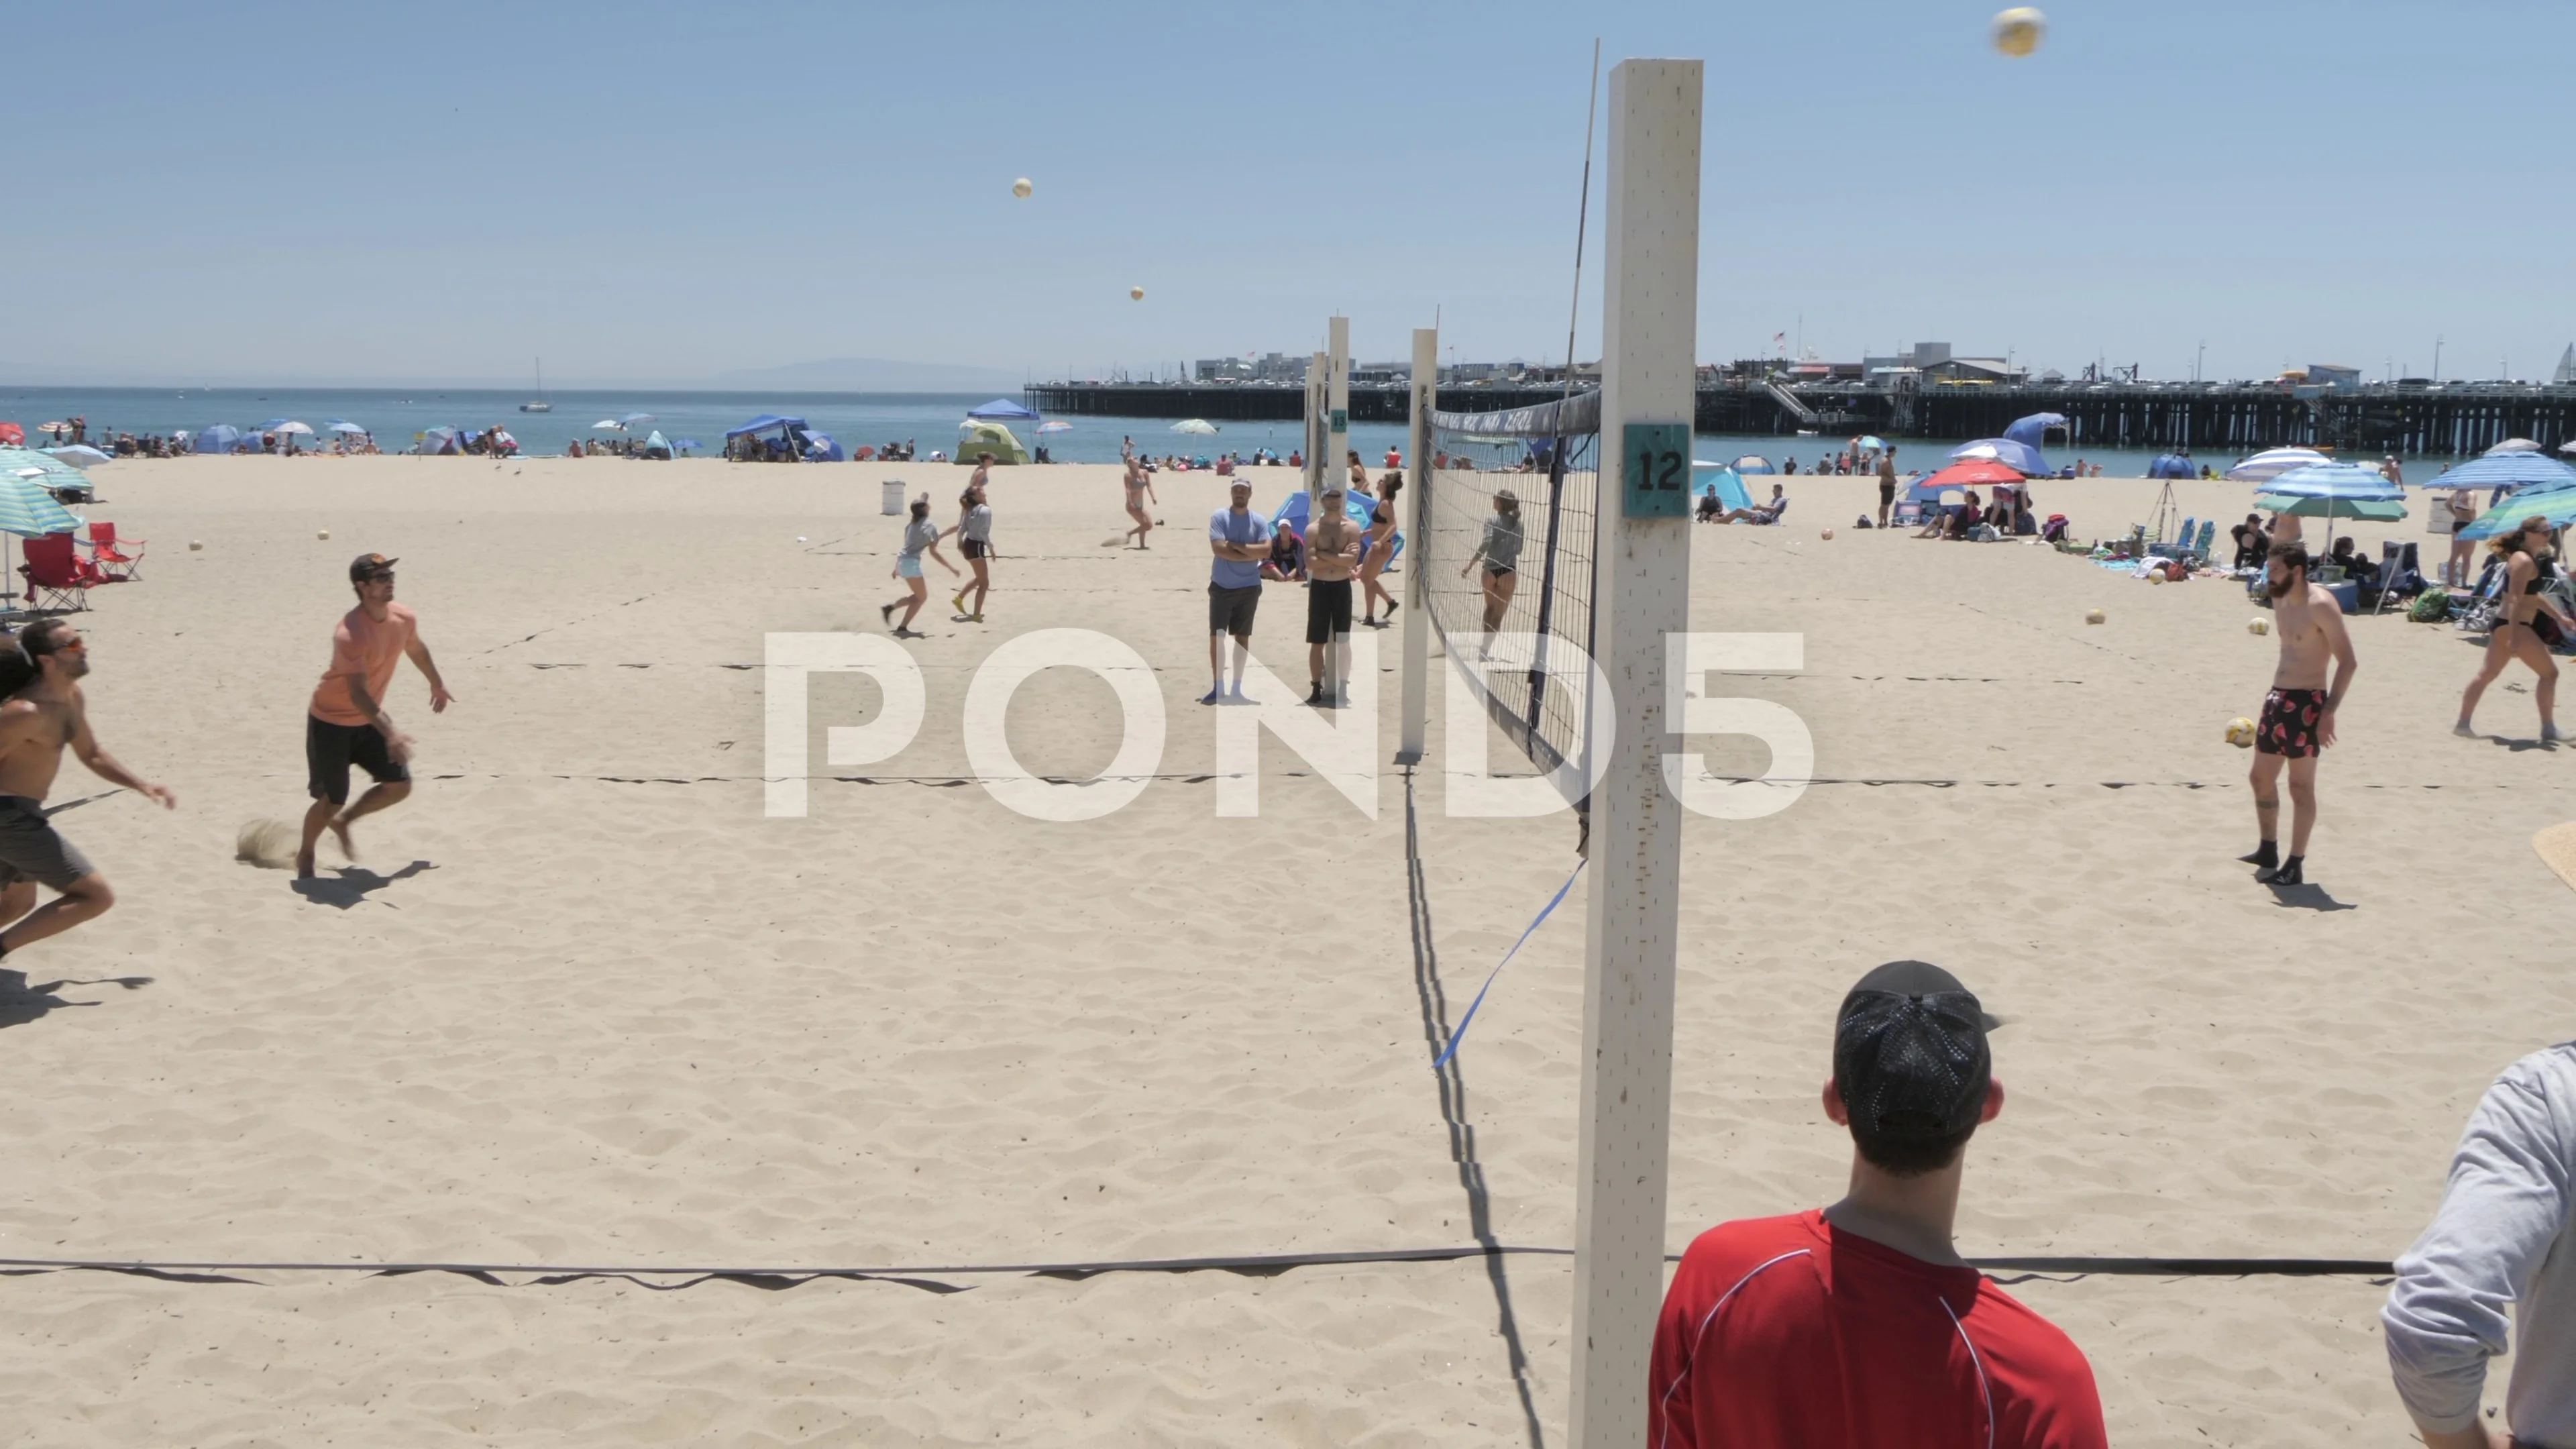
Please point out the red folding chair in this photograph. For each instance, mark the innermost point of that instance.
(112, 555)
(59, 579)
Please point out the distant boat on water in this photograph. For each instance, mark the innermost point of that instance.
(541, 405)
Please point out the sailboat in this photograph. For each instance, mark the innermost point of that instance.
(540, 405)
(2566, 366)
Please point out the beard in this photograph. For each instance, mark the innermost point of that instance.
(79, 666)
(2280, 588)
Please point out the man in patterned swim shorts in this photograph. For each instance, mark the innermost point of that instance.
(2299, 714)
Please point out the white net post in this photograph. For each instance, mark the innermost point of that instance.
(1316, 372)
(1415, 710)
(1337, 402)
(1641, 584)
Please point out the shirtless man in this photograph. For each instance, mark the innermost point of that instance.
(1886, 485)
(42, 715)
(2299, 714)
(1332, 553)
(347, 724)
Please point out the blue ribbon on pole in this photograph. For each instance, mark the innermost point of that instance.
(1464, 1022)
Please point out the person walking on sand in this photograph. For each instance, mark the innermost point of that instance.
(2462, 508)
(1140, 487)
(346, 723)
(1332, 551)
(974, 532)
(2298, 720)
(1886, 485)
(2494, 1241)
(2529, 569)
(1859, 1326)
(919, 534)
(1377, 551)
(1500, 552)
(44, 712)
(1239, 542)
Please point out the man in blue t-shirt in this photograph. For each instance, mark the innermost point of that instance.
(1240, 540)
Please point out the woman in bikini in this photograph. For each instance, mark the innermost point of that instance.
(2529, 569)
(1140, 487)
(1500, 552)
(1377, 551)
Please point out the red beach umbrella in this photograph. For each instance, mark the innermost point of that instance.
(13, 435)
(1974, 473)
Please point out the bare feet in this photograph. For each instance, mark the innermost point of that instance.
(340, 832)
(304, 865)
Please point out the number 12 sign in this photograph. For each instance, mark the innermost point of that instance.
(1655, 464)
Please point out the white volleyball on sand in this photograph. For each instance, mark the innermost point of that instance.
(1829, 535)
(194, 545)
(268, 843)
(2156, 577)
(2258, 626)
(2093, 616)
(323, 534)
(800, 538)
(2019, 30)
(1135, 294)
(2240, 732)
(1021, 188)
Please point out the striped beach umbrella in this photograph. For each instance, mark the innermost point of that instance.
(2272, 462)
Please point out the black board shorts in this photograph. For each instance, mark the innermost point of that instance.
(1328, 610)
(976, 547)
(31, 849)
(1230, 610)
(330, 749)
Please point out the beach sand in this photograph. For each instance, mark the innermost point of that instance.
(582, 1004)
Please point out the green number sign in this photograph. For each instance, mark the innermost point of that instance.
(1654, 463)
(1341, 420)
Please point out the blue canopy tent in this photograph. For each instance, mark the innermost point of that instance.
(1293, 510)
(1001, 410)
(2172, 465)
(2032, 431)
(769, 437)
(221, 438)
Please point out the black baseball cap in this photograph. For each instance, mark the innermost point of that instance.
(370, 565)
(1910, 1054)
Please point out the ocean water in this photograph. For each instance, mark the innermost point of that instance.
(854, 419)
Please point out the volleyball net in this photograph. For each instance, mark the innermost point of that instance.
(1508, 629)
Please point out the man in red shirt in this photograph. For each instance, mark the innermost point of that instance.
(346, 723)
(1859, 1326)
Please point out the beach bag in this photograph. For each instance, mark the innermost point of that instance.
(2430, 607)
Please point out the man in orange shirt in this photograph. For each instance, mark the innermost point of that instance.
(347, 724)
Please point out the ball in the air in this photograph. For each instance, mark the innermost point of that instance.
(323, 534)
(1021, 188)
(1135, 294)
(2240, 732)
(2093, 616)
(2018, 31)
(2258, 627)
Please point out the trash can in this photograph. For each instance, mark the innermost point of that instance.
(893, 497)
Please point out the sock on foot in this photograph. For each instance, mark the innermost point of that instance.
(2290, 873)
(2268, 853)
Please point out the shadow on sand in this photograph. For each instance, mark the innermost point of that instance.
(21, 1003)
(2309, 898)
(348, 885)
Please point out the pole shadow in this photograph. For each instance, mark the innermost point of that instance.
(1453, 1110)
(353, 883)
(21, 1002)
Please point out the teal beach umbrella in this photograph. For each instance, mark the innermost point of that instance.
(2558, 505)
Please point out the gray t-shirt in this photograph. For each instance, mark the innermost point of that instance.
(1502, 541)
(1228, 526)
(979, 523)
(921, 533)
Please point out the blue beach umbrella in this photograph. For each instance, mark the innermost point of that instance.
(2019, 456)
(2521, 471)
(219, 438)
(2272, 462)
(2334, 480)
(2558, 505)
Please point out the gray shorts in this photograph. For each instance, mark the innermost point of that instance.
(31, 849)
(1230, 610)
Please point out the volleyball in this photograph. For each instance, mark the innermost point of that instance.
(194, 545)
(2157, 576)
(2093, 616)
(1829, 535)
(1135, 294)
(2018, 30)
(2240, 732)
(2258, 627)
(1021, 188)
(323, 534)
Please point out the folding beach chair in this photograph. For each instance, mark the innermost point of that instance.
(1907, 515)
(2208, 539)
(114, 556)
(58, 579)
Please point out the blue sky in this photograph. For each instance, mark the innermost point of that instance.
(655, 191)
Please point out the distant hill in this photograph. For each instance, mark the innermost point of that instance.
(871, 374)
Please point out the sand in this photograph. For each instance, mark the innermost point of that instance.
(582, 1004)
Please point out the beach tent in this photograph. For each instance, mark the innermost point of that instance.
(220, 438)
(1002, 410)
(436, 441)
(1721, 480)
(2172, 465)
(1354, 507)
(1749, 464)
(2011, 452)
(974, 437)
(766, 423)
(655, 446)
(2032, 431)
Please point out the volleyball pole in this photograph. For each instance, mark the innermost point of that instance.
(1414, 713)
(1641, 581)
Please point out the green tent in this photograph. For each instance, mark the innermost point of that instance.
(975, 437)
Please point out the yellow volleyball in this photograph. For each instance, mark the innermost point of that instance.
(2093, 616)
(2258, 626)
(2240, 732)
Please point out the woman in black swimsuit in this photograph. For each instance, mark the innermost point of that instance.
(2529, 569)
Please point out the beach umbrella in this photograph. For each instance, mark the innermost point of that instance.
(631, 419)
(2033, 430)
(2170, 465)
(219, 438)
(28, 507)
(272, 425)
(290, 427)
(2333, 480)
(2514, 445)
(79, 455)
(1870, 441)
(1194, 425)
(2509, 470)
(344, 426)
(2567, 447)
(2273, 462)
(1001, 410)
(608, 425)
(1751, 464)
(2011, 452)
(13, 434)
(2558, 505)
(2314, 505)
(1058, 426)
(1974, 473)
(685, 444)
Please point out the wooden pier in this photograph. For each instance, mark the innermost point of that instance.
(2219, 419)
